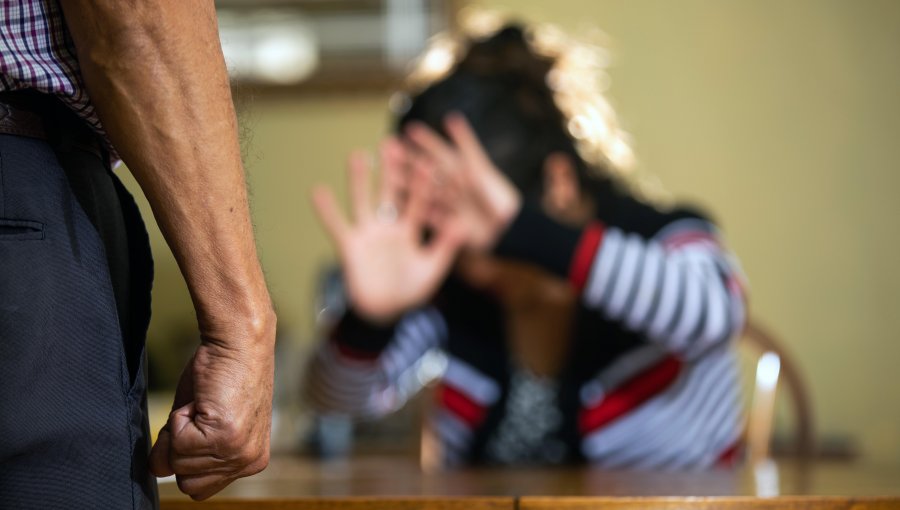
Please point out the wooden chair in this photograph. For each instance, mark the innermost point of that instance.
(775, 367)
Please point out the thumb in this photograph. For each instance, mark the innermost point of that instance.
(329, 214)
(187, 438)
(159, 455)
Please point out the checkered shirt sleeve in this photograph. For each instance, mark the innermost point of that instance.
(37, 52)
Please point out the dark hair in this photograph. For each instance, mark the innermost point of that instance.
(500, 85)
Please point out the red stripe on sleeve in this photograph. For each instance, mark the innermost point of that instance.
(731, 456)
(630, 395)
(585, 253)
(461, 405)
(355, 354)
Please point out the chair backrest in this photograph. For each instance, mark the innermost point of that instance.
(775, 367)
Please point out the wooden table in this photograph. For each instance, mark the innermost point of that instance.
(397, 483)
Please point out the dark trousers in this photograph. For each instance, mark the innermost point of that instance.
(75, 277)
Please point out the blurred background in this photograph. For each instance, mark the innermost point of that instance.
(781, 118)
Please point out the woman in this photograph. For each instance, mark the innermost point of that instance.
(578, 322)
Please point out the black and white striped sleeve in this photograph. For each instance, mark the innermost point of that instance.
(366, 371)
(678, 287)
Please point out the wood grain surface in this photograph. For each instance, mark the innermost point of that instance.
(398, 483)
(358, 503)
(728, 503)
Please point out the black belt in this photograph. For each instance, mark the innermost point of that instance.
(20, 122)
(35, 115)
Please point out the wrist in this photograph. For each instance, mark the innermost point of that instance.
(379, 317)
(534, 237)
(360, 337)
(240, 325)
(379, 321)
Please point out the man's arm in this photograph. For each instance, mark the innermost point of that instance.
(156, 75)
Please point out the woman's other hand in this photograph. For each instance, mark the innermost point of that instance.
(474, 194)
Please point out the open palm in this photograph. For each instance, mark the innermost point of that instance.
(388, 266)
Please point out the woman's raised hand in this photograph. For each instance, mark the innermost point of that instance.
(389, 267)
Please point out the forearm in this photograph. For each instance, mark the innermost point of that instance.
(358, 370)
(682, 294)
(680, 289)
(155, 73)
(346, 370)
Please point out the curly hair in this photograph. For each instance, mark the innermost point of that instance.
(500, 85)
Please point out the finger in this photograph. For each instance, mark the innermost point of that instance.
(419, 195)
(436, 216)
(187, 439)
(467, 142)
(199, 464)
(330, 214)
(432, 145)
(360, 170)
(394, 158)
(440, 177)
(443, 203)
(200, 487)
(159, 455)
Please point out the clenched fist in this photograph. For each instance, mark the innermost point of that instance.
(220, 422)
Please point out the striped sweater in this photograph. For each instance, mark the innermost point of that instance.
(651, 380)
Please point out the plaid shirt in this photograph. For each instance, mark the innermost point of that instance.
(37, 52)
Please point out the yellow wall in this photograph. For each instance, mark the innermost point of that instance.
(783, 117)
